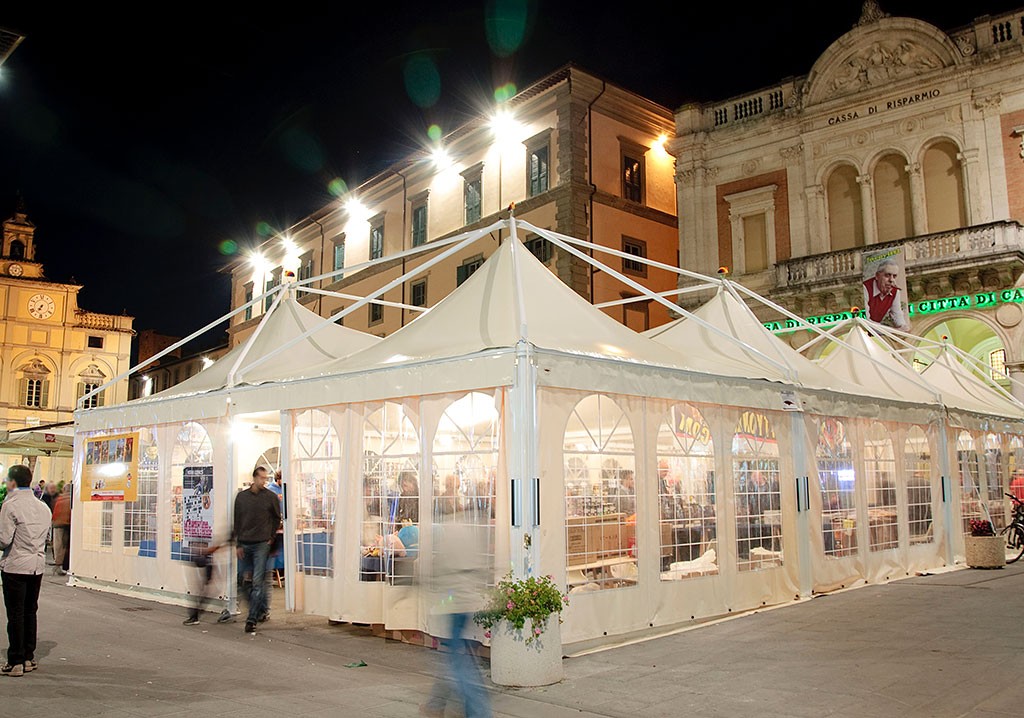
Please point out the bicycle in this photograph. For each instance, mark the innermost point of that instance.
(1015, 530)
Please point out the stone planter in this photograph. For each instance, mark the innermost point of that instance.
(513, 663)
(986, 551)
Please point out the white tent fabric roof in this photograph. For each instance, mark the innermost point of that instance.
(731, 316)
(962, 390)
(484, 313)
(288, 320)
(879, 372)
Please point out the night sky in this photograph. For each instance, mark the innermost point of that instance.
(141, 142)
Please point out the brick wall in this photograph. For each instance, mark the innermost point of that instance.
(782, 239)
(1014, 163)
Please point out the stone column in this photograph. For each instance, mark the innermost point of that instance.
(867, 201)
(819, 238)
(1016, 372)
(972, 201)
(918, 208)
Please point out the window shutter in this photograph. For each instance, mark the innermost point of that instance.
(23, 391)
(461, 274)
(98, 399)
(44, 393)
(80, 391)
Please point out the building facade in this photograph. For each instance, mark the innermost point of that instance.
(574, 153)
(171, 369)
(901, 135)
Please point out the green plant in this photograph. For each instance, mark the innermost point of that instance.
(516, 599)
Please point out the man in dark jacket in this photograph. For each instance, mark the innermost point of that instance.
(257, 518)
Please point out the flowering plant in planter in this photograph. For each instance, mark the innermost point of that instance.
(515, 600)
(981, 527)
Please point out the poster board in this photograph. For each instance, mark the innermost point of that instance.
(111, 468)
(884, 284)
(197, 507)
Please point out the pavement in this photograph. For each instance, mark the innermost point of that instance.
(940, 645)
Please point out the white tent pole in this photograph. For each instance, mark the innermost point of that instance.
(728, 285)
(669, 293)
(520, 301)
(341, 295)
(552, 237)
(230, 382)
(428, 247)
(183, 342)
(472, 237)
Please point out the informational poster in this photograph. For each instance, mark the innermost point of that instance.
(197, 507)
(885, 287)
(111, 468)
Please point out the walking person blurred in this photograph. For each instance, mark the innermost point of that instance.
(61, 522)
(24, 526)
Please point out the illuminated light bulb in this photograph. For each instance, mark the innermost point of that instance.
(505, 127)
(441, 159)
(355, 208)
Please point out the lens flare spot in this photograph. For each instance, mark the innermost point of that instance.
(264, 229)
(505, 93)
(505, 24)
(228, 247)
(302, 149)
(337, 187)
(422, 80)
(434, 133)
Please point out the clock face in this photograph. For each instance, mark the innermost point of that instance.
(15, 270)
(41, 306)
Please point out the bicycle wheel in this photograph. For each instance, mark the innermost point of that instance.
(1015, 542)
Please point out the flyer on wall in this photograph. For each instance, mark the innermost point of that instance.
(111, 468)
(197, 507)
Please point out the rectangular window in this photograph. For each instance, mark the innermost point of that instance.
(755, 243)
(466, 269)
(248, 298)
(638, 248)
(539, 248)
(306, 266)
(474, 199)
(273, 281)
(419, 224)
(376, 313)
(35, 393)
(997, 363)
(339, 254)
(538, 170)
(419, 293)
(377, 241)
(95, 342)
(632, 178)
(93, 401)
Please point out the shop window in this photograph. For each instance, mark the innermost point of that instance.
(918, 468)
(419, 293)
(880, 474)
(892, 198)
(316, 466)
(995, 479)
(140, 516)
(837, 480)
(419, 223)
(971, 504)
(389, 544)
(686, 495)
(845, 209)
(944, 187)
(192, 449)
(755, 452)
(465, 453)
(600, 496)
(377, 240)
(636, 248)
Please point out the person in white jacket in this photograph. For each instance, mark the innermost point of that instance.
(24, 526)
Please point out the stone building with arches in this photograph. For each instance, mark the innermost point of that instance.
(900, 134)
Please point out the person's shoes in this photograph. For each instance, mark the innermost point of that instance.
(30, 666)
(14, 671)
(191, 621)
(250, 627)
(225, 617)
(264, 617)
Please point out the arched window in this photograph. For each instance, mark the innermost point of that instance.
(316, 465)
(971, 506)
(17, 249)
(845, 209)
(91, 379)
(140, 516)
(600, 495)
(837, 479)
(34, 386)
(192, 450)
(917, 463)
(686, 494)
(755, 457)
(944, 188)
(995, 479)
(391, 480)
(880, 474)
(892, 198)
(465, 453)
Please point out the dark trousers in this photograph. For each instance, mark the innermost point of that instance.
(21, 599)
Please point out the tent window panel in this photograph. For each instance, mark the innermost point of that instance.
(917, 463)
(465, 452)
(837, 479)
(98, 526)
(686, 495)
(995, 479)
(880, 474)
(140, 516)
(971, 504)
(758, 498)
(317, 462)
(192, 447)
(389, 544)
(600, 496)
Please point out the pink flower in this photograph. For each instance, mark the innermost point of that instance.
(510, 605)
(487, 634)
(537, 631)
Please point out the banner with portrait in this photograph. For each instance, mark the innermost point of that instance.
(111, 471)
(196, 507)
(884, 284)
